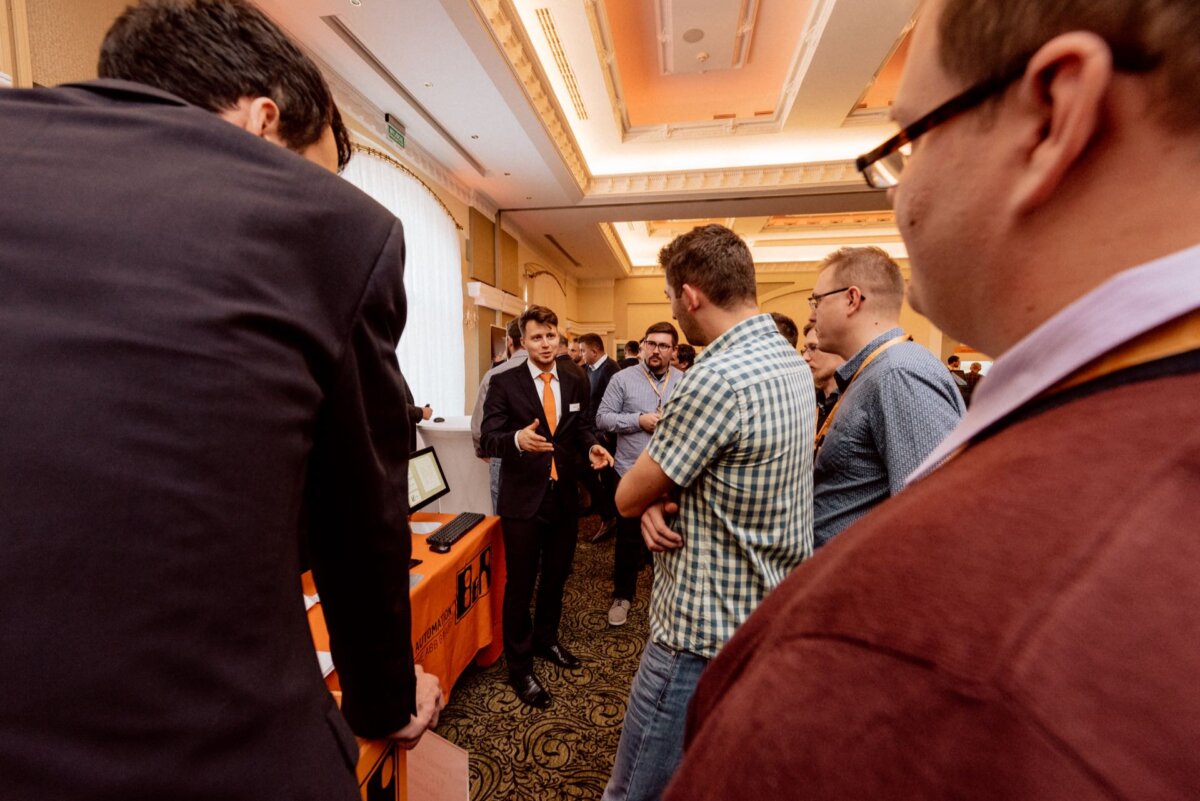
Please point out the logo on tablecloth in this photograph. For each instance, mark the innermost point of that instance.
(474, 582)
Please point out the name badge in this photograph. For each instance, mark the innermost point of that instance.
(574, 407)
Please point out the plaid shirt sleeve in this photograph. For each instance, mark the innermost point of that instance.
(699, 422)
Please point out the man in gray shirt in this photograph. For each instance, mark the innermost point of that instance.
(516, 357)
(897, 401)
(631, 407)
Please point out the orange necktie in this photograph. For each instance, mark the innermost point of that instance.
(551, 411)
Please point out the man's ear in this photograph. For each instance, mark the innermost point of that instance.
(1062, 97)
(256, 115)
(854, 299)
(692, 297)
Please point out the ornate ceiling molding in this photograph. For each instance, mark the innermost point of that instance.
(824, 174)
(613, 240)
(502, 21)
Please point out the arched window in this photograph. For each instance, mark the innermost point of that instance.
(431, 350)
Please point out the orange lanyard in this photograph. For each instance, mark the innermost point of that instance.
(658, 392)
(1181, 335)
(820, 440)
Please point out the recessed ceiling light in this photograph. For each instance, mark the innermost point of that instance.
(507, 174)
(474, 136)
(429, 84)
(692, 36)
(356, 2)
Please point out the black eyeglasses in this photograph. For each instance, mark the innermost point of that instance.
(814, 300)
(882, 166)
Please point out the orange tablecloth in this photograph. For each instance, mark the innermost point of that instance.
(456, 618)
(456, 605)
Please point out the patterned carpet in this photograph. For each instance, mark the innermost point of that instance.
(518, 753)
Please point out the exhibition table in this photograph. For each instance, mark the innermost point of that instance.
(456, 598)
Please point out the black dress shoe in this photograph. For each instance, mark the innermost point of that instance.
(530, 690)
(558, 655)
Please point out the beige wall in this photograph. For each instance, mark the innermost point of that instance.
(65, 37)
(638, 302)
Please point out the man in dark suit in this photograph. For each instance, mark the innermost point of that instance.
(601, 485)
(197, 336)
(537, 420)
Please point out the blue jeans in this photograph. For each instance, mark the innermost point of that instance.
(651, 744)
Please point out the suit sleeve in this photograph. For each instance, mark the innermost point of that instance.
(498, 427)
(357, 503)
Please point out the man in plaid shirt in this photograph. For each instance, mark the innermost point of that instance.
(732, 455)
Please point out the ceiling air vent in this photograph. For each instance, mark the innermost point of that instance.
(560, 58)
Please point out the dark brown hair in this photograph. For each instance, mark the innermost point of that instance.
(714, 260)
(787, 327)
(592, 341)
(538, 314)
(212, 53)
(663, 328)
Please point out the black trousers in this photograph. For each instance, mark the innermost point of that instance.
(630, 556)
(602, 487)
(545, 544)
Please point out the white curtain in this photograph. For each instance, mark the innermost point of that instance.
(431, 349)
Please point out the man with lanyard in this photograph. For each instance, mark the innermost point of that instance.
(897, 402)
(630, 409)
(1048, 650)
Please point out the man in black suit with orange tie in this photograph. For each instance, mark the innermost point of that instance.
(537, 420)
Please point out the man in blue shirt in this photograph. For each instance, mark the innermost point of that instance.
(631, 408)
(897, 401)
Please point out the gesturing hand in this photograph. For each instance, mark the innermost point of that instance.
(600, 457)
(529, 441)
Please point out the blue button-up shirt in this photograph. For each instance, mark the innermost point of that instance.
(630, 394)
(889, 419)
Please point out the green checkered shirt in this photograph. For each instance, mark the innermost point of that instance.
(737, 437)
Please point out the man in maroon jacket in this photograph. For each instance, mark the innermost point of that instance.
(1041, 641)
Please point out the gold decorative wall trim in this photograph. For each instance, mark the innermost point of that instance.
(502, 21)
(379, 154)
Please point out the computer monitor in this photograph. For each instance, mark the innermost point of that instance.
(426, 481)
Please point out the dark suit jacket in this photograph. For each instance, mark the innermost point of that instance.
(607, 370)
(513, 402)
(197, 334)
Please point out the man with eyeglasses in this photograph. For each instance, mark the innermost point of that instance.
(630, 409)
(1047, 649)
(896, 402)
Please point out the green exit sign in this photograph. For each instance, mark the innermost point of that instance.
(396, 134)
